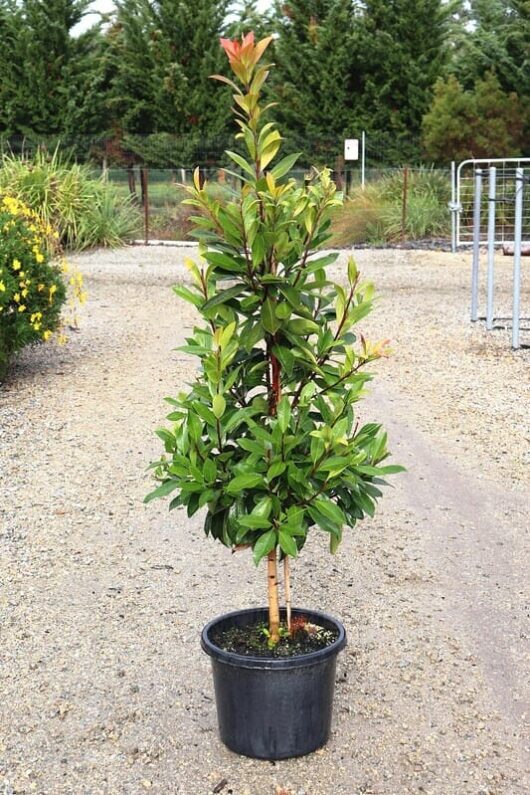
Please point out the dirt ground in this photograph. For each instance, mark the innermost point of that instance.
(104, 686)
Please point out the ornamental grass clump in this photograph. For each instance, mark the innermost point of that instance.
(266, 439)
(84, 210)
(33, 288)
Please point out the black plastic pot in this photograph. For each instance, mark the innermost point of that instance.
(271, 708)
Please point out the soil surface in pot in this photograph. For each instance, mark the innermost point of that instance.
(253, 639)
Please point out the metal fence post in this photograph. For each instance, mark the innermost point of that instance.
(145, 198)
(404, 200)
(476, 244)
(363, 157)
(491, 245)
(517, 235)
(453, 207)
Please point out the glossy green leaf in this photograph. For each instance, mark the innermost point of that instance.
(204, 412)
(163, 490)
(224, 261)
(330, 510)
(218, 406)
(265, 544)
(283, 311)
(241, 162)
(247, 481)
(268, 317)
(263, 507)
(302, 326)
(187, 295)
(283, 412)
(284, 166)
(253, 522)
(209, 471)
(222, 297)
(287, 543)
(275, 469)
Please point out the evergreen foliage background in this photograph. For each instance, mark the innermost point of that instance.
(426, 79)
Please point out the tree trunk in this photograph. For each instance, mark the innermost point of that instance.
(274, 607)
(287, 587)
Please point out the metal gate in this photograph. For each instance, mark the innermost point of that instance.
(463, 196)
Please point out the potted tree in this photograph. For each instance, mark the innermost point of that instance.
(266, 440)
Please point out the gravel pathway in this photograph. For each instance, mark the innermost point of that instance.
(104, 687)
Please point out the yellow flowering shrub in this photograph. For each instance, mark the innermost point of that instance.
(33, 287)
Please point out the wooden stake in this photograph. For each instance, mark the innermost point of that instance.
(404, 202)
(274, 607)
(287, 587)
(144, 181)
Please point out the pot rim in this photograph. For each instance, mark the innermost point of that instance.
(297, 661)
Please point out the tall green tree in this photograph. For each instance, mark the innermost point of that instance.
(44, 65)
(87, 112)
(10, 23)
(52, 81)
(483, 121)
(133, 86)
(316, 80)
(246, 16)
(164, 52)
(404, 50)
(498, 38)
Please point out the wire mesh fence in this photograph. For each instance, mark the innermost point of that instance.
(388, 200)
(505, 200)
(166, 150)
(396, 204)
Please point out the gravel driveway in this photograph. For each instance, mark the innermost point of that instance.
(104, 687)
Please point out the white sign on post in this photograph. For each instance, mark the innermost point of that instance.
(351, 149)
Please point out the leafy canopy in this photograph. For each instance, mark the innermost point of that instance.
(267, 437)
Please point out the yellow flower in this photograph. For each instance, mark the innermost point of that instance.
(39, 257)
(16, 265)
(16, 297)
(46, 335)
(41, 287)
(24, 292)
(22, 308)
(2, 287)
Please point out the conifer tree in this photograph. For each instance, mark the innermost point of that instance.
(248, 17)
(9, 25)
(133, 87)
(404, 50)
(316, 77)
(498, 39)
(164, 52)
(482, 122)
(43, 64)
